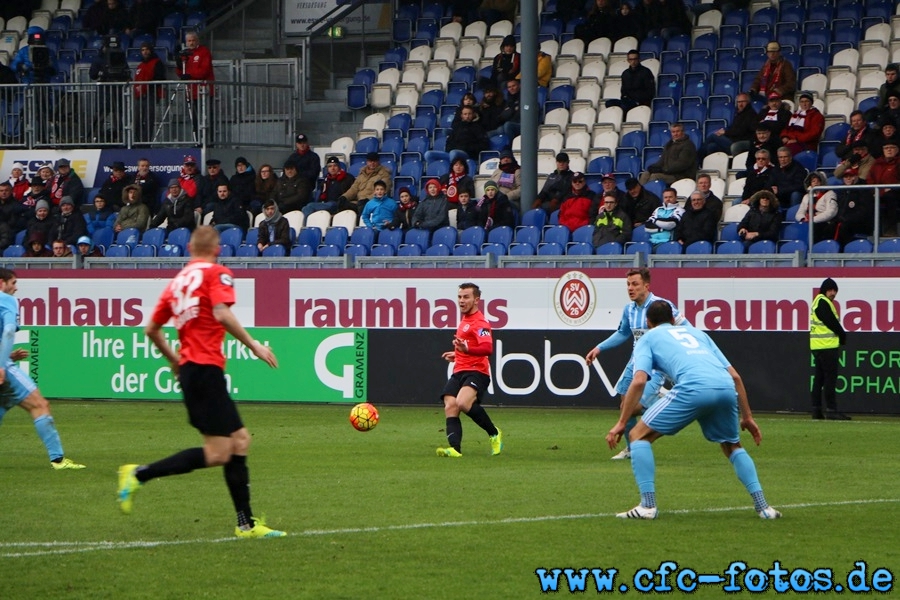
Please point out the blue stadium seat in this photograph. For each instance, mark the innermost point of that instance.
(118, 251)
(762, 247)
(699, 247)
(330, 250)
(645, 248)
(128, 237)
(732, 37)
(668, 85)
(170, 251)
(439, 250)
(550, 249)
(486, 248)
(535, 217)
(502, 235)
(605, 164)
(792, 246)
(558, 234)
(609, 248)
(860, 246)
(729, 233)
(522, 249)
(472, 235)
(827, 247)
(274, 251)
(303, 251)
(528, 234)
(669, 248)
(14, 251)
(579, 249)
(730, 247)
(633, 139)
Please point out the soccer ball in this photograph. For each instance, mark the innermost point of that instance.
(364, 417)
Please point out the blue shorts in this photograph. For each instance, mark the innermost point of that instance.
(715, 410)
(651, 390)
(15, 389)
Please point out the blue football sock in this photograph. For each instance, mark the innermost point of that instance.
(745, 469)
(644, 467)
(46, 430)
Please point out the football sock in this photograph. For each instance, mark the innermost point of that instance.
(237, 477)
(629, 425)
(644, 467)
(745, 469)
(177, 464)
(46, 430)
(481, 418)
(454, 433)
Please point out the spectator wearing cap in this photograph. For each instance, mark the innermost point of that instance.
(638, 84)
(611, 224)
(677, 161)
(45, 172)
(36, 193)
(859, 158)
(336, 183)
(86, 248)
(856, 209)
(805, 127)
(363, 186)
(189, 178)
(19, 181)
(642, 201)
(885, 171)
(195, 64)
(764, 140)
(148, 183)
(774, 114)
(788, 178)
(468, 136)
(291, 190)
(579, 206)
(177, 209)
(508, 176)
(151, 68)
(776, 75)
(114, 184)
(494, 208)
(892, 111)
(208, 185)
(134, 212)
(885, 131)
(507, 64)
(101, 214)
(432, 213)
(68, 225)
(738, 136)
(243, 184)
(66, 182)
(41, 222)
(859, 132)
(307, 162)
(608, 183)
(556, 187)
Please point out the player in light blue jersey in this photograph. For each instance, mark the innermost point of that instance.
(707, 390)
(632, 326)
(16, 387)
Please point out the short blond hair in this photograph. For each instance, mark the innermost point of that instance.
(204, 241)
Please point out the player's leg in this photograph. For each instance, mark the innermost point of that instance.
(237, 478)
(721, 425)
(29, 397)
(468, 400)
(453, 426)
(643, 465)
(622, 386)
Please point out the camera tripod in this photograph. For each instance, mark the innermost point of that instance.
(190, 109)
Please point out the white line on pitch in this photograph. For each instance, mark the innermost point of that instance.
(50, 548)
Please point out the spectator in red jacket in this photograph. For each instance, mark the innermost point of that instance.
(195, 64)
(805, 127)
(579, 206)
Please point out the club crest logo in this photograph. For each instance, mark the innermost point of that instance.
(574, 298)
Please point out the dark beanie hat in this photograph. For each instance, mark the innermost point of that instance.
(828, 284)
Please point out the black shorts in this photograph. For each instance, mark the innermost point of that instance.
(211, 410)
(461, 379)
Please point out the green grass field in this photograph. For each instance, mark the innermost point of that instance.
(378, 515)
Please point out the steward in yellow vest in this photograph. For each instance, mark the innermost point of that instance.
(825, 338)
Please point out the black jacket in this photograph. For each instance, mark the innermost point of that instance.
(696, 225)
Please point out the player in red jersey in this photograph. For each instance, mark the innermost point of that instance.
(199, 301)
(472, 345)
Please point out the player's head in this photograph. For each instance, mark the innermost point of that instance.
(468, 297)
(659, 312)
(8, 281)
(204, 243)
(638, 283)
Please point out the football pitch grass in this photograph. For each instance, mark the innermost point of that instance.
(378, 515)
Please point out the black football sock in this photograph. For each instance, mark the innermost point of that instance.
(454, 433)
(237, 477)
(181, 462)
(481, 418)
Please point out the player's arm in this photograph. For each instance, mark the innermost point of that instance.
(7, 341)
(747, 422)
(629, 406)
(617, 338)
(222, 313)
(153, 331)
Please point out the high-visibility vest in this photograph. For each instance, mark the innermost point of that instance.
(820, 336)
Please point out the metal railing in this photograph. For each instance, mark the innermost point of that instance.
(166, 113)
